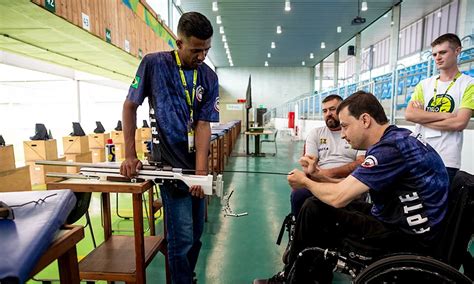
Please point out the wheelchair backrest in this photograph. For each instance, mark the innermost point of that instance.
(459, 222)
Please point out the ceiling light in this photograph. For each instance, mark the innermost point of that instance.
(218, 20)
(363, 6)
(373, 49)
(224, 39)
(311, 55)
(339, 29)
(273, 44)
(177, 2)
(287, 5)
(385, 16)
(214, 6)
(231, 64)
(323, 44)
(278, 29)
(303, 63)
(221, 29)
(226, 46)
(269, 55)
(439, 14)
(266, 63)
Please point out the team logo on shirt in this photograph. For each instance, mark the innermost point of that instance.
(135, 82)
(199, 93)
(323, 140)
(369, 162)
(216, 104)
(441, 103)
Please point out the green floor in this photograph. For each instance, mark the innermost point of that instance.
(235, 250)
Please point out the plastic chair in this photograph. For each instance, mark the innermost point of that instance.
(273, 140)
(81, 209)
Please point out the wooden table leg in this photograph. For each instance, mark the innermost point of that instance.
(68, 267)
(106, 215)
(139, 238)
(151, 219)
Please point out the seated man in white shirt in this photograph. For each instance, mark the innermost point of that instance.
(324, 146)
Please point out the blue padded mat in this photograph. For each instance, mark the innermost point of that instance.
(24, 239)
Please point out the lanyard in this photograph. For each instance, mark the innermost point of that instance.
(449, 87)
(189, 99)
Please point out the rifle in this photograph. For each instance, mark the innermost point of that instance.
(211, 184)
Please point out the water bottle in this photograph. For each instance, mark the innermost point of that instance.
(110, 151)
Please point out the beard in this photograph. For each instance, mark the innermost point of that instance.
(332, 123)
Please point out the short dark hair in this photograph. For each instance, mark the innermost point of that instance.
(332, 97)
(362, 102)
(454, 41)
(195, 24)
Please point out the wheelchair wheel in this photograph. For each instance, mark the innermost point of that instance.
(410, 269)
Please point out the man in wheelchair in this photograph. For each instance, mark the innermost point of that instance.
(408, 185)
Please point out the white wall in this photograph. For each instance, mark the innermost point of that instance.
(270, 86)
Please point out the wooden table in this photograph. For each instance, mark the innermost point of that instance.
(257, 141)
(111, 261)
(63, 249)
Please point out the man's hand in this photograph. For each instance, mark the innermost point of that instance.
(417, 104)
(196, 190)
(297, 179)
(308, 163)
(130, 167)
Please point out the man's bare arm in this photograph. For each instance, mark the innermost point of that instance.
(335, 194)
(457, 123)
(415, 113)
(131, 164)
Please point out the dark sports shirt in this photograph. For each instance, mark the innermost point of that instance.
(158, 80)
(408, 182)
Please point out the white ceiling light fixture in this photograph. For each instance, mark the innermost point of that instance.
(278, 29)
(214, 7)
(231, 64)
(287, 5)
(439, 14)
(221, 29)
(226, 46)
(323, 44)
(218, 20)
(224, 38)
(266, 63)
(339, 29)
(363, 6)
(177, 2)
(273, 45)
(303, 63)
(311, 55)
(269, 55)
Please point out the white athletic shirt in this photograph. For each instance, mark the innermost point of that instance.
(331, 150)
(448, 144)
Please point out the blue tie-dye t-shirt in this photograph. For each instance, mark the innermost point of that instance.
(158, 79)
(408, 182)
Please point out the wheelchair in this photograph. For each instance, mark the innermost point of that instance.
(442, 266)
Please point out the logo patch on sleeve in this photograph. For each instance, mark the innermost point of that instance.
(199, 93)
(135, 82)
(369, 162)
(216, 104)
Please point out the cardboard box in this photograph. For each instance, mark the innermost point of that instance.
(140, 146)
(40, 150)
(7, 158)
(15, 179)
(80, 158)
(143, 134)
(38, 172)
(75, 144)
(117, 137)
(119, 152)
(98, 155)
(97, 141)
